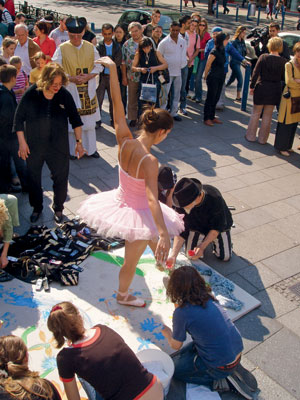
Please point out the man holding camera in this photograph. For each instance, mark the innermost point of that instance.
(273, 31)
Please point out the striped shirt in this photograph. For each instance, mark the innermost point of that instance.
(21, 83)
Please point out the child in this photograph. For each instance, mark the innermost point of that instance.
(216, 347)
(8, 48)
(22, 80)
(100, 358)
(40, 60)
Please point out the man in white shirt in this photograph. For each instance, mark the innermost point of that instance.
(78, 58)
(26, 48)
(60, 34)
(173, 49)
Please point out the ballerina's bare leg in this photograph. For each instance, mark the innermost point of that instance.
(133, 252)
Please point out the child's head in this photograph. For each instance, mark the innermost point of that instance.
(8, 73)
(65, 322)
(186, 286)
(40, 59)
(9, 47)
(16, 62)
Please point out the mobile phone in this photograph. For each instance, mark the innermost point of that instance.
(55, 262)
(81, 244)
(85, 70)
(54, 253)
(54, 235)
(13, 259)
(74, 253)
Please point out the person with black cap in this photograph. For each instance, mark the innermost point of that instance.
(77, 58)
(166, 183)
(207, 219)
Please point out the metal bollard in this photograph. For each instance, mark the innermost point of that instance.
(258, 16)
(283, 17)
(217, 9)
(237, 13)
(180, 8)
(93, 28)
(248, 12)
(246, 88)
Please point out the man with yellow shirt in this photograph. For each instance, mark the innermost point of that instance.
(77, 58)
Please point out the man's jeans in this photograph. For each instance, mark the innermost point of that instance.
(184, 75)
(190, 368)
(198, 82)
(175, 81)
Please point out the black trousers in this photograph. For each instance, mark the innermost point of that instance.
(214, 89)
(58, 163)
(285, 136)
(12, 147)
(190, 72)
(104, 85)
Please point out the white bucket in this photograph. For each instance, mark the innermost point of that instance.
(164, 358)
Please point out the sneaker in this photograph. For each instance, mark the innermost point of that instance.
(98, 124)
(183, 111)
(95, 155)
(177, 118)
(46, 284)
(246, 376)
(239, 386)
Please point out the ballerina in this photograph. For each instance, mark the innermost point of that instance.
(132, 211)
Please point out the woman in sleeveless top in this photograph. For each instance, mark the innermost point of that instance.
(148, 62)
(132, 211)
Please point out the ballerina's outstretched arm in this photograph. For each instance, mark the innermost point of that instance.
(121, 127)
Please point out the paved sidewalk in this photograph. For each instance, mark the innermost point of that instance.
(263, 187)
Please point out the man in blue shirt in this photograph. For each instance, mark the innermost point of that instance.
(230, 51)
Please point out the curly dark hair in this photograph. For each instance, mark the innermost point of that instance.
(186, 286)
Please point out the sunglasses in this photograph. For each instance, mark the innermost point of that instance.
(202, 25)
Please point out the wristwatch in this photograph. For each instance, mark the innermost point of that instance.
(78, 140)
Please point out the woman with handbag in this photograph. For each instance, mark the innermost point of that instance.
(266, 90)
(289, 110)
(151, 64)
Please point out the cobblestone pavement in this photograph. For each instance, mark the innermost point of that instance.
(263, 186)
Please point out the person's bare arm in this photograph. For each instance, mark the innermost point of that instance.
(121, 127)
(3, 257)
(23, 146)
(175, 344)
(210, 60)
(163, 63)
(71, 390)
(150, 169)
(199, 250)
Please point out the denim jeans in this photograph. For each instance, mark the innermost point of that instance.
(89, 390)
(190, 368)
(175, 81)
(236, 73)
(198, 83)
(184, 75)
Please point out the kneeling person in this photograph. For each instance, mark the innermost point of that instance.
(207, 219)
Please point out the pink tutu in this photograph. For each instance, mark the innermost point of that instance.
(124, 212)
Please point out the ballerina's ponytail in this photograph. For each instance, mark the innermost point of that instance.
(65, 322)
(154, 119)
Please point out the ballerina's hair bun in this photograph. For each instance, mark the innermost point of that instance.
(154, 119)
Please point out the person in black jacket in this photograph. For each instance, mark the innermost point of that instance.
(41, 123)
(8, 140)
(207, 219)
(107, 47)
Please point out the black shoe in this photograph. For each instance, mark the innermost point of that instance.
(25, 189)
(15, 189)
(58, 217)
(98, 124)
(35, 216)
(177, 118)
(95, 155)
(73, 158)
(132, 123)
(112, 123)
(239, 386)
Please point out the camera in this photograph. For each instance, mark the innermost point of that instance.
(260, 35)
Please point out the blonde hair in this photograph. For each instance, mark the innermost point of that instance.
(205, 29)
(65, 322)
(275, 44)
(49, 73)
(3, 213)
(15, 377)
(39, 55)
(238, 31)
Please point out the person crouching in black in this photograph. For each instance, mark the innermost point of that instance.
(41, 123)
(207, 219)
